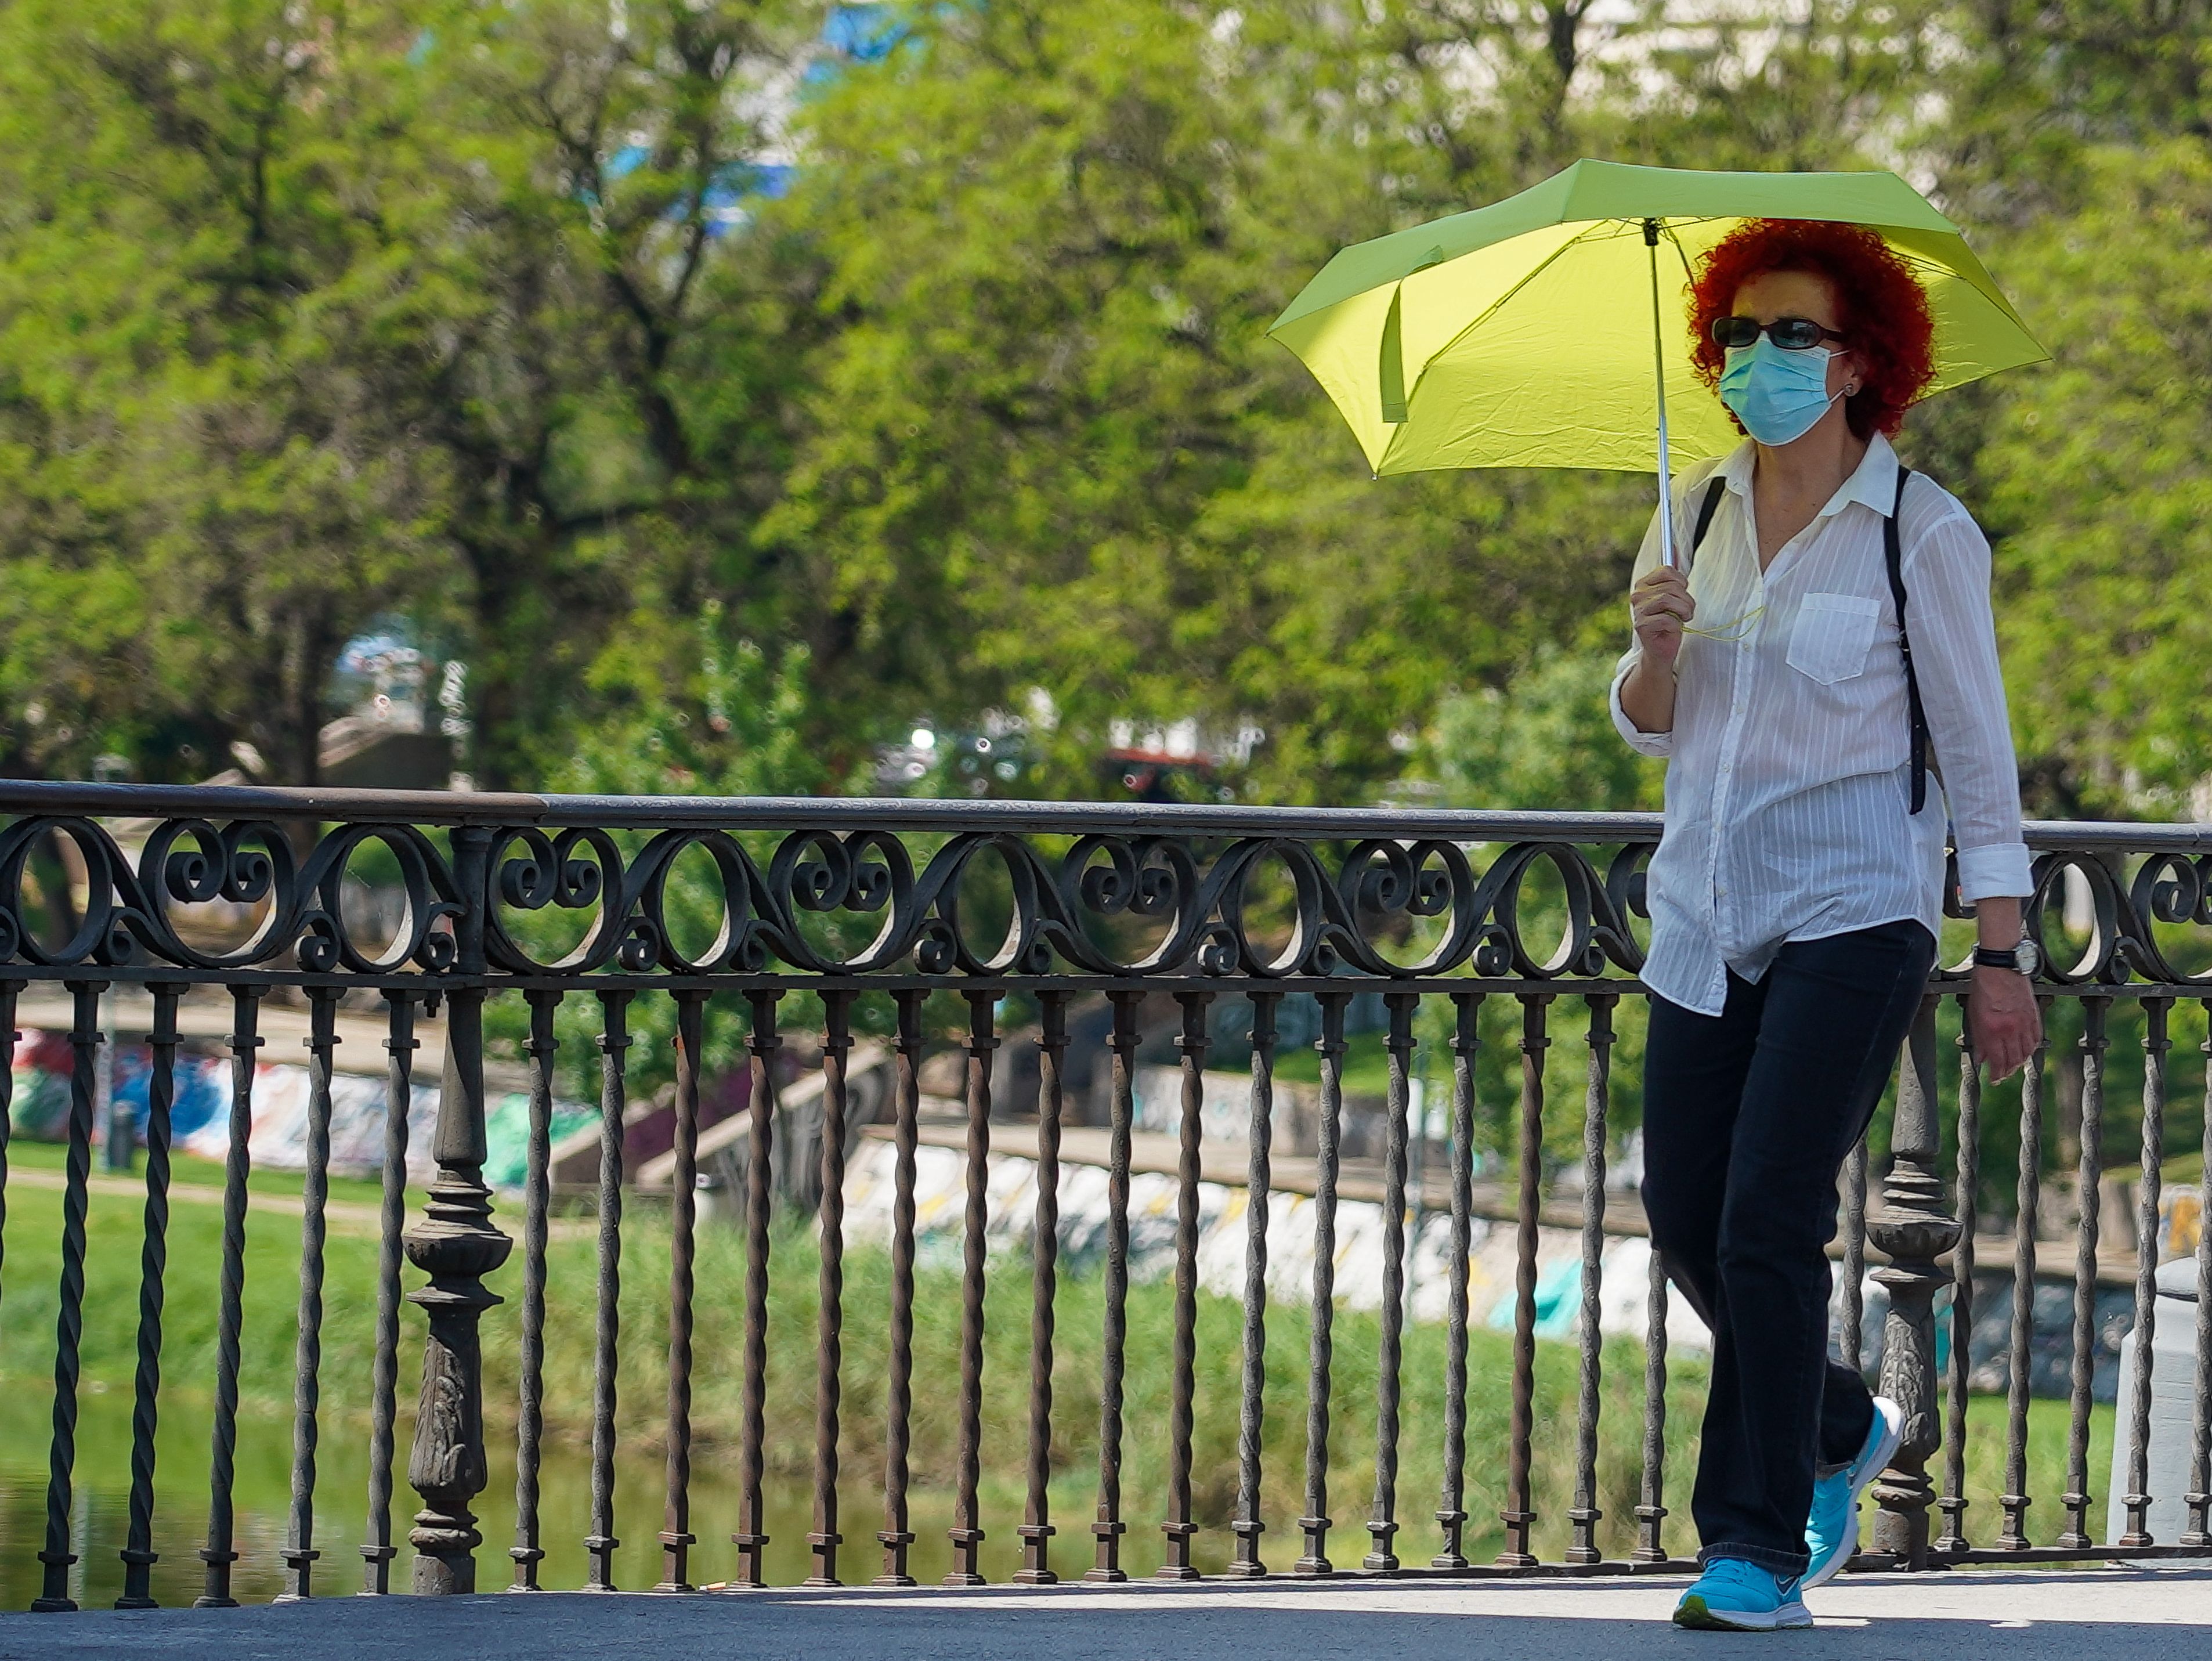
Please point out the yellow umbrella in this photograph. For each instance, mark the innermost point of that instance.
(1515, 335)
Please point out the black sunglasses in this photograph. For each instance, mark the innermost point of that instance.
(1792, 334)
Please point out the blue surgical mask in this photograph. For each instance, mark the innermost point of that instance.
(1777, 395)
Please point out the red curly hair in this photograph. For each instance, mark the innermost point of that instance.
(1883, 309)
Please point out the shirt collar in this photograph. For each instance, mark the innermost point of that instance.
(1873, 482)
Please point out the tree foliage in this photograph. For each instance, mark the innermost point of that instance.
(2093, 476)
(924, 344)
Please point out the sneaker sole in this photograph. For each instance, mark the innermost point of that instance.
(1696, 1616)
(1893, 1436)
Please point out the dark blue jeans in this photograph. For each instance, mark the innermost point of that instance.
(1748, 1117)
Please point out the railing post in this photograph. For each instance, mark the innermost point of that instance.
(456, 1245)
(1911, 1227)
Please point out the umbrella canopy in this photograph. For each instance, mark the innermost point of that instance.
(1521, 335)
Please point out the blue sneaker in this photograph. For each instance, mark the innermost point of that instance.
(1831, 1532)
(1734, 1595)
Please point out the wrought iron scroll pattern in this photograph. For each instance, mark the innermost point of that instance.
(1266, 905)
(1381, 901)
(1375, 907)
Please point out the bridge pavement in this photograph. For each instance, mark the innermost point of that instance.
(1973, 1616)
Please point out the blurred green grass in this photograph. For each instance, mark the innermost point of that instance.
(27, 1301)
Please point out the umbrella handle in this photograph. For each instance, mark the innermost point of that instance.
(1659, 364)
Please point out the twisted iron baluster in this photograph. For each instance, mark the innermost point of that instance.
(9, 1038)
(1037, 1529)
(2198, 1534)
(601, 1543)
(1321, 1317)
(896, 1536)
(85, 1039)
(299, 1553)
(2076, 1534)
(398, 1094)
(828, 1348)
(967, 1532)
(1585, 1515)
(2155, 1045)
(1248, 1525)
(676, 1537)
(219, 1553)
(752, 1537)
(2016, 1500)
(530, 1422)
(1452, 1504)
(1651, 1509)
(138, 1554)
(1192, 1045)
(1108, 1527)
(1954, 1502)
(1383, 1523)
(1519, 1515)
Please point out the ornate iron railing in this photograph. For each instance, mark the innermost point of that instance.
(183, 890)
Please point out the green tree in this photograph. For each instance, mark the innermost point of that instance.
(2029, 86)
(1827, 84)
(612, 402)
(319, 311)
(203, 277)
(1047, 307)
(1546, 740)
(1052, 446)
(2097, 491)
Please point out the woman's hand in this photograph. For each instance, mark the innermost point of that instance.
(1661, 604)
(2002, 1019)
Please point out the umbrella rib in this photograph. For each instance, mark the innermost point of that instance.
(1681, 253)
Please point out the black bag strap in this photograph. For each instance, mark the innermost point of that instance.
(1895, 557)
(1706, 509)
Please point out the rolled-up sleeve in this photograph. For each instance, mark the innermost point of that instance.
(1658, 745)
(1954, 654)
(1661, 745)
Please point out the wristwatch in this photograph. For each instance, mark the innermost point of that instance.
(2024, 958)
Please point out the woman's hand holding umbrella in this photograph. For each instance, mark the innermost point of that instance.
(1662, 607)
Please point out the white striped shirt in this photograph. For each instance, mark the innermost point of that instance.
(1789, 778)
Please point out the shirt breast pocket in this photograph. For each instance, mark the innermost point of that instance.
(1833, 634)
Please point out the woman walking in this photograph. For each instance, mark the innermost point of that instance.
(1822, 676)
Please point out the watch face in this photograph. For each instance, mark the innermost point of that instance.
(2029, 958)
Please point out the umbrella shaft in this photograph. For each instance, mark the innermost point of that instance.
(1659, 367)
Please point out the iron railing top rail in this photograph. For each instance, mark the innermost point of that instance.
(510, 807)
